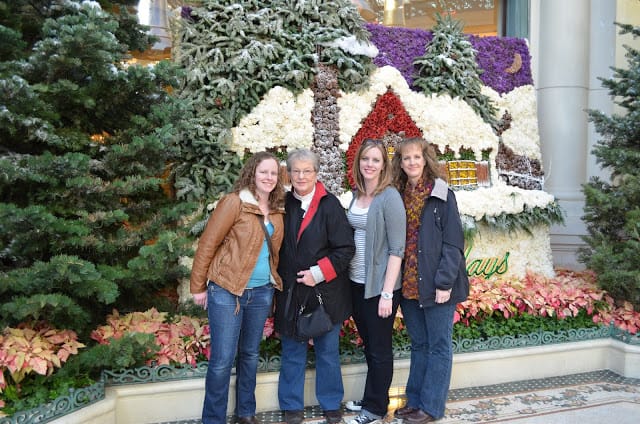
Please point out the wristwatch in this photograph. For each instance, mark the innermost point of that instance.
(386, 295)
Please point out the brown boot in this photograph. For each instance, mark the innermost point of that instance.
(333, 416)
(418, 417)
(293, 417)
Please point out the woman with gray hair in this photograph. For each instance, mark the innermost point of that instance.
(315, 255)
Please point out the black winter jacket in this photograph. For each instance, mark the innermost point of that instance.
(322, 237)
(441, 261)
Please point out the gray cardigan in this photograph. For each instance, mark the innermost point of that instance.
(386, 235)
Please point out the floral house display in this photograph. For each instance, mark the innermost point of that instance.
(506, 212)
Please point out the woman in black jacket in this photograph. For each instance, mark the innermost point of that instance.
(434, 278)
(316, 251)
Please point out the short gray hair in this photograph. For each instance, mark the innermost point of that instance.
(304, 155)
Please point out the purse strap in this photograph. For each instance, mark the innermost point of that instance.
(266, 234)
(306, 298)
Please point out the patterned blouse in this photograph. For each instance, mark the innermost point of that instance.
(414, 199)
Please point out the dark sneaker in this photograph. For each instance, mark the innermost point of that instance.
(362, 419)
(293, 417)
(354, 405)
(333, 416)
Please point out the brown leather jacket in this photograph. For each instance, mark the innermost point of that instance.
(228, 248)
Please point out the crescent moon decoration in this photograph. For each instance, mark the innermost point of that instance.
(516, 65)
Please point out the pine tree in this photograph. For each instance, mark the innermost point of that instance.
(86, 223)
(612, 209)
(234, 52)
(449, 67)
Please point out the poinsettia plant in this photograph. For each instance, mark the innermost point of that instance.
(566, 295)
(39, 349)
(181, 340)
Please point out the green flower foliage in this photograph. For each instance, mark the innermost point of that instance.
(525, 221)
(86, 223)
(612, 208)
(449, 67)
(497, 325)
(234, 52)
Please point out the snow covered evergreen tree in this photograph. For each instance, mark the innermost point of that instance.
(235, 51)
(449, 67)
(86, 224)
(612, 209)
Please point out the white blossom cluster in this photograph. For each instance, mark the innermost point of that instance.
(522, 136)
(498, 199)
(527, 252)
(280, 119)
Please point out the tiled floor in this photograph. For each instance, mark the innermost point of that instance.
(594, 397)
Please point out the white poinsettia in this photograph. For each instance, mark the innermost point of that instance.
(527, 252)
(522, 136)
(280, 119)
(450, 122)
(345, 199)
(499, 199)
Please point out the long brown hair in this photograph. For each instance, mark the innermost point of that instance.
(247, 179)
(385, 174)
(431, 169)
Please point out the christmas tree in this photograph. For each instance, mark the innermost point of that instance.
(88, 220)
(234, 52)
(612, 208)
(449, 67)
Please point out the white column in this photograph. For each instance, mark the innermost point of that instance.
(574, 47)
(562, 94)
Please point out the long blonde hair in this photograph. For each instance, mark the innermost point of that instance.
(385, 174)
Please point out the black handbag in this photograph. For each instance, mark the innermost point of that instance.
(314, 323)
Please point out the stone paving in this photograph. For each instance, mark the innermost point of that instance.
(586, 398)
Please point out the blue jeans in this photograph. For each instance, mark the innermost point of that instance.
(234, 333)
(431, 332)
(329, 388)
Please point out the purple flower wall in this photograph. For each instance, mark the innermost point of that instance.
(505, 62)
(496, 55)
(399, 47)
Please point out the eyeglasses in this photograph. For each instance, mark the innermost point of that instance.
(303, 172)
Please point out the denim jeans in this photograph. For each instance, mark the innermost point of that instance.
(431, 332)
(234, 333)
(376, 333)
(329, 388)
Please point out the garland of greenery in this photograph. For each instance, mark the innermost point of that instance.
(526, 220)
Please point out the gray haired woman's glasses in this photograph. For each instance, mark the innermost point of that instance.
(303, 172)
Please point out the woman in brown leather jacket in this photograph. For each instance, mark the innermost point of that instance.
(234, 275)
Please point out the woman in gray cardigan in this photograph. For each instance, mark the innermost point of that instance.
(378, 218)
